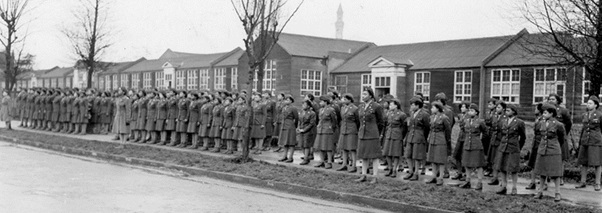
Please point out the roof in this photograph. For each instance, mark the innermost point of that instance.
(57, 72)
(173, 54)
(232, 59)
(317, 47)
(181, 61)
(428, 55)
(517, 54)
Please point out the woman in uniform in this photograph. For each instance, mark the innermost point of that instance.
(496, 123)
(151, 117)
(327, 123)
(47, 125)
(563, 117)
(215, 132)
(228, 125)
(122, 113)
(458, 148)
(589, 154)
(473, 148)
(206, 120)
(258, 131)
(549, 162)
(306, 128)
(4, 109)
(182, 120)
(396, 130)
(439, 135)
(513, 137)
(278, 119)
(134, 106)
(369, 147)
(270, 116)
(105, 112)
(348, 134)
(535, 143)
(162, 112)
(288, 126)
(192, 128)
(84, 112)
(56, 111)
(65, 116)
(75, 112)
(141, 120)
(415, 149)
(242, 116)
(172, 117)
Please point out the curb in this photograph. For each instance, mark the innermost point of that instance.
(241, 179)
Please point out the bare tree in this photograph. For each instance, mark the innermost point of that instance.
(12, 38)
(89, 37)
(263, 22)
(570, 34)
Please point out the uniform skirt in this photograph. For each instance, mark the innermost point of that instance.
(132, 125)
(473, 158)
(348, 142)
(150, 125)
(239, 133)
(269, 127)
(506, 162)
(369, 149)
(204, 131)
(181, 126)
(393, 148)
(257, 132)
(287, 137)
(549, 165)
(533, 154)
(438, 153)
(492, 152)
(170, 124)
(277, 130)
(227, 133)
(415, 151)
(324, 142)
(160, 125)
(306, 140)
(141, 124)
(215, 132)
(4, 115)
(589, 155)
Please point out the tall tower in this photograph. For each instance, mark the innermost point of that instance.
(339, 23)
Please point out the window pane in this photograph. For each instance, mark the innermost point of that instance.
(426, 78)
(560, 89)
(505, 89)
(304, 74)
(317, 85)
(419, 88)
(468, 76)
(419, 78)
(303, 85)
(506, 75)
(388, 81)
(467, 89)
(496, 89)
(561, 74)
(318, 75)
(550, 75)
(310, 75)
(539, 75)
(539, 89)
(458, 77)
(515, 89)
(459, 89)
(538, 99)
(515, 75)
(496, 75)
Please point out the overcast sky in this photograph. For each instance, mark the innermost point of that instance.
(146, 28)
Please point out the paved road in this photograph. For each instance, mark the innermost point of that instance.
(35, 180)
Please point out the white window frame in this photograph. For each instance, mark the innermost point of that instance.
(191, 79)
(136, 80)
(312, 80)
(464, 84)
(422, 85)
(548, 85)
(269, 80)
(180, 79)
(159, 80)
(585, 95)
(508, 95)
(383, 82)
(107, 82)
(101, 82)
(146, 80)
(115, 82)
(204, 79)
(219, 78)
(340, 85)
(234, 78)
(366, 80)
(124, 80)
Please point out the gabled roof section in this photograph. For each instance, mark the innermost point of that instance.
(173, 54)
(462, 53)
(317, 47)
(198, 61)
(231, 59)
(518, 54)
(387, 62)
(180, 61)
(117, 67)
(57, 72)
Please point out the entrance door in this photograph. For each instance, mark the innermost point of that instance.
(382, 86)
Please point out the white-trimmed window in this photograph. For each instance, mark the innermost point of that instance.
(107, 82)
(311, 81)
(101, 82)
(269, 80)
(586, 84)
(146, 80)
(219, 76)
(505, 85)
(341, 82)
(234, 78)
(547, 81)
(462, 86)
(191, 79)
(180, 79)
(69, 81)
(54, 82)
(135, 80)
(124, 80)
(423, 84)
(159, 80)
(115, 82)
(204, 79)
(46, 83)
(365, 81)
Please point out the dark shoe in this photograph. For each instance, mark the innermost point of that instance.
(216, 150)
(479, 186)
(393, 175)
(493, 182)
(557, 197)
(282, 159)
(328, 166)
(432, 180)
(290, 160)
(456, 176)
(389, 172)
(257, 152)
(423, 171)
(373, 181)
(361, 179)
(597, 187)
(439, 182)
(532, 186)
(514, 191)
(414, 177)
(204, 148)
(465, 185)
(561, 182)
(342, 168)
(278, 149)
(581, 185)
(305, 162)
(502, 191)
(352, 169)
(463, 178)
(321, 164)
(408, 176)
(311, 157)
(446, 175)
(538, 195)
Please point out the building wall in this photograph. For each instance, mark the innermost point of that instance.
(283, 70)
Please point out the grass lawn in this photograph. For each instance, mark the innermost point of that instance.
(449, 198)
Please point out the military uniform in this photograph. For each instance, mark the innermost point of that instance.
(396, 129)
(371, 123)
